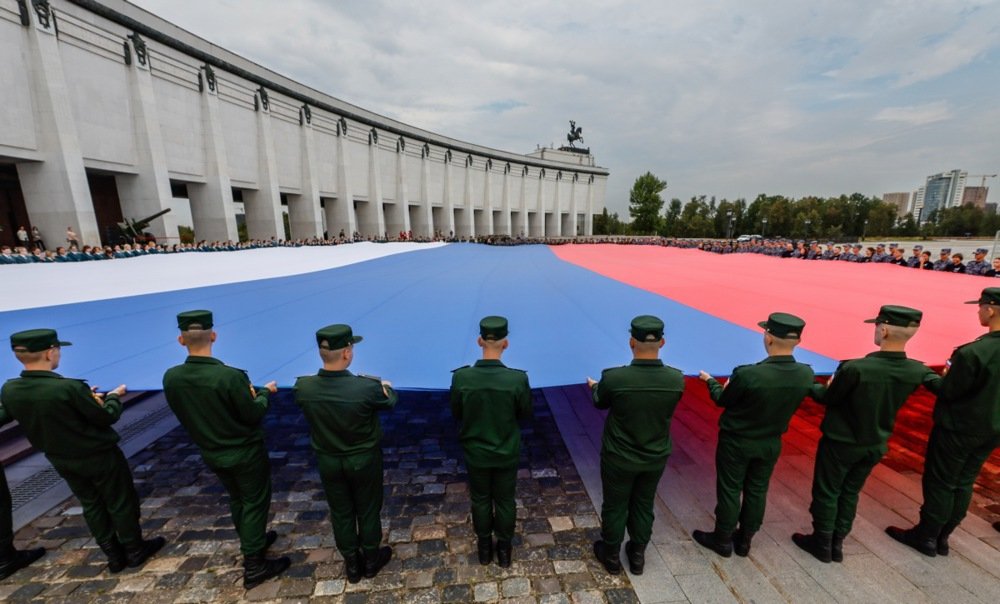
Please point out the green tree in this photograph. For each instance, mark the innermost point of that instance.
(645, 203)
(609, 224)
(671, 223)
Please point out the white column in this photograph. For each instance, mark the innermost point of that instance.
(448, 228)
(557, 208)
(524, 226)
(304, 212)
(504, 228)
(340, 213)
(147, 192)
(371, 219)
(540, 214)
(212, 202)
(263, 206)
(588, 220)
(488, 199)
(469, 206)
(572, 206)
(398, 218)
(56, 192)
(424, 225)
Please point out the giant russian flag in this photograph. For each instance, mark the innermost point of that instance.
(418, 307)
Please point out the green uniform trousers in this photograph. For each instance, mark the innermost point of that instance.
(841, 471)
(952, 465)
(353, 486)
(743, 466)
(248, 483)
(103, 484)
(6, 515)
(491, 491)
(628, 501)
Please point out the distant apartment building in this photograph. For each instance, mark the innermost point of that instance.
(944, 190)
(900, 200)
(975, 196)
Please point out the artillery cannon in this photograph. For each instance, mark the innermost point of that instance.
(132, 231)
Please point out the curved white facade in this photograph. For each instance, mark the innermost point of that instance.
(105, 109)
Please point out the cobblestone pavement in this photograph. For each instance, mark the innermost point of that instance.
(425, 518)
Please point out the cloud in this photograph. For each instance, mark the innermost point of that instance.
(915, 114)
(721, 97)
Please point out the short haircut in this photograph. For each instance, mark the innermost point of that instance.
(26, 357)
(196, 337)
(898, 332)
(647, 346)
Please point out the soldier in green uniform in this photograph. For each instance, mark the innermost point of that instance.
(758, 401)
(71, 424)
(862, 399)
(488, 399)
(223, 414)
(641, 398)
(966, 431)
(11, 559)
(342, 410)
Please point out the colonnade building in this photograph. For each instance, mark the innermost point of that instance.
(110, 112)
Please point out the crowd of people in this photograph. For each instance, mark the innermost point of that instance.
(34, 251)
(880, 253)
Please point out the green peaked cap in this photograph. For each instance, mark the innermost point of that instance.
(647, 328)
(900, 316)
(783, 325)
(194, 319)
(336, 336)
(35, 340)
(493, 328)
(990, 295)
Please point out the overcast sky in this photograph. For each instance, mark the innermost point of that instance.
(718, 97)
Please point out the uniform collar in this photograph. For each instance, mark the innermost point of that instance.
(781, 358)
(989, 334)
(330, 373)
(882, 354)
(489, 363)
(203, 360)
(647, 362)
(29, 373)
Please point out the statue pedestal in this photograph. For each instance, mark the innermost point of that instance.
(569, 155)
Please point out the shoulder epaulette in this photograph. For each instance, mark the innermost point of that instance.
(459, 368)
(516, 369)
(370, 377)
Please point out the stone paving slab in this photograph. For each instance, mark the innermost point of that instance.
(425, 519)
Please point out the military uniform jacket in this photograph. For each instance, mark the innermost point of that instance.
(641, 398)
(759, 400)
(488, 399)
(60, 416)
(866, 393)
(342, 410)
(969, 398)
(214, 404)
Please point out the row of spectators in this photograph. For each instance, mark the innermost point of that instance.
(881, 253)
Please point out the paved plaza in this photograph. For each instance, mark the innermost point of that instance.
(426, 520)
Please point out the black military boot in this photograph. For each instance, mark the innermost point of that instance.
(996, 525)
(817, 544)
(717, 541)
(14, 560)
(116, 555)
(374, 561)
(921, 538)
(257, 569)
(353, 567)
(504, 553)
(741, 542)
(485, 548)
(636, 554)
(837, 547)
(943, 549)
(136, 555)
(609, 556)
